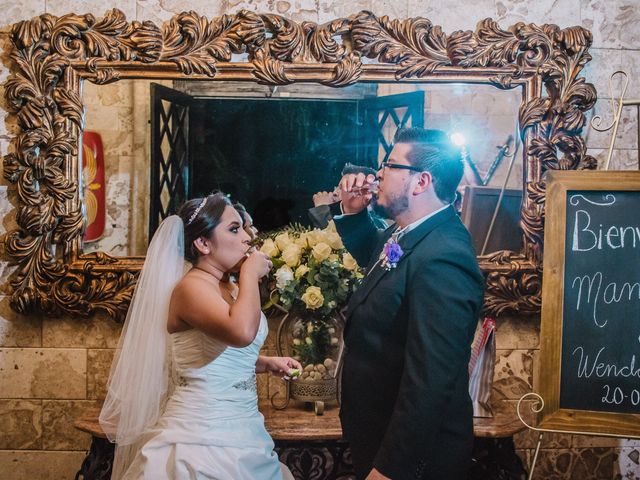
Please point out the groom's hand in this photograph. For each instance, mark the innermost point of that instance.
(354, 191)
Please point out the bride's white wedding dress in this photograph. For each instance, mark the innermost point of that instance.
(211, 427)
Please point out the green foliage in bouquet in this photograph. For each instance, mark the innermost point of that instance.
(313, 274)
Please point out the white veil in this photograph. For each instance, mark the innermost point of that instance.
(139, 379)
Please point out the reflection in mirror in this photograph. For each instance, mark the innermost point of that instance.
(119, 113)
(272, 148)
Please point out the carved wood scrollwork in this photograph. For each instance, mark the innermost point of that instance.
(51, 54)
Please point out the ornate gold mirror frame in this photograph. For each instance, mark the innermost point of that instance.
(52, 55)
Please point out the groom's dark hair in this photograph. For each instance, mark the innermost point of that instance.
(433, 152)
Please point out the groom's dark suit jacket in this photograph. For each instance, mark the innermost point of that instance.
(405, 403)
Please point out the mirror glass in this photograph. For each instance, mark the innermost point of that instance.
(272, 148)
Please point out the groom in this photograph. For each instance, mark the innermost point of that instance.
(406, 411)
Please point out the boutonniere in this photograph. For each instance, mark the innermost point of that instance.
(391, 254)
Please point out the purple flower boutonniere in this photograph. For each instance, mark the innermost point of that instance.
(391, 254)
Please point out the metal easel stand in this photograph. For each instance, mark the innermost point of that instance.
(616, 106)
(537, 408)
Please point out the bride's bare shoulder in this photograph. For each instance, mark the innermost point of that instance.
(188, 299)
(192, 285)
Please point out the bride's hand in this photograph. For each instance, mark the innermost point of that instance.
(257, 263)
(284, 367)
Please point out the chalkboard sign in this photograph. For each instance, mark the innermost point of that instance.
(590, 335)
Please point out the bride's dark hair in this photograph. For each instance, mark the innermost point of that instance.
(200, 216)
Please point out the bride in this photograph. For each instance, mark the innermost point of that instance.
(182, 400)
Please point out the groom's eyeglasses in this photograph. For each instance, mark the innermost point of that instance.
(399, 166)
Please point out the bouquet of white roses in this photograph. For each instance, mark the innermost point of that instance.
(313, 277)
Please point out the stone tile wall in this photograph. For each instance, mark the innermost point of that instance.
(51, 369)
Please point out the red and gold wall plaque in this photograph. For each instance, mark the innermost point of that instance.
(94, 185)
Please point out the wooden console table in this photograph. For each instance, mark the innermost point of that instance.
(310, 445)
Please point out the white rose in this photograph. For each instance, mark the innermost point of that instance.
(283, 276)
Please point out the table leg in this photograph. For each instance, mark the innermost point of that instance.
(496, 459)
(316, 460)
(98, 462)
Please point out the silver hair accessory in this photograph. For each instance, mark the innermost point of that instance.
(196, 211)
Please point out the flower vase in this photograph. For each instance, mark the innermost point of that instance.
(317, 344)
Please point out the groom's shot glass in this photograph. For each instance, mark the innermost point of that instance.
(364, 189)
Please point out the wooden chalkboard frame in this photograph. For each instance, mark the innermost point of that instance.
(552, 417)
